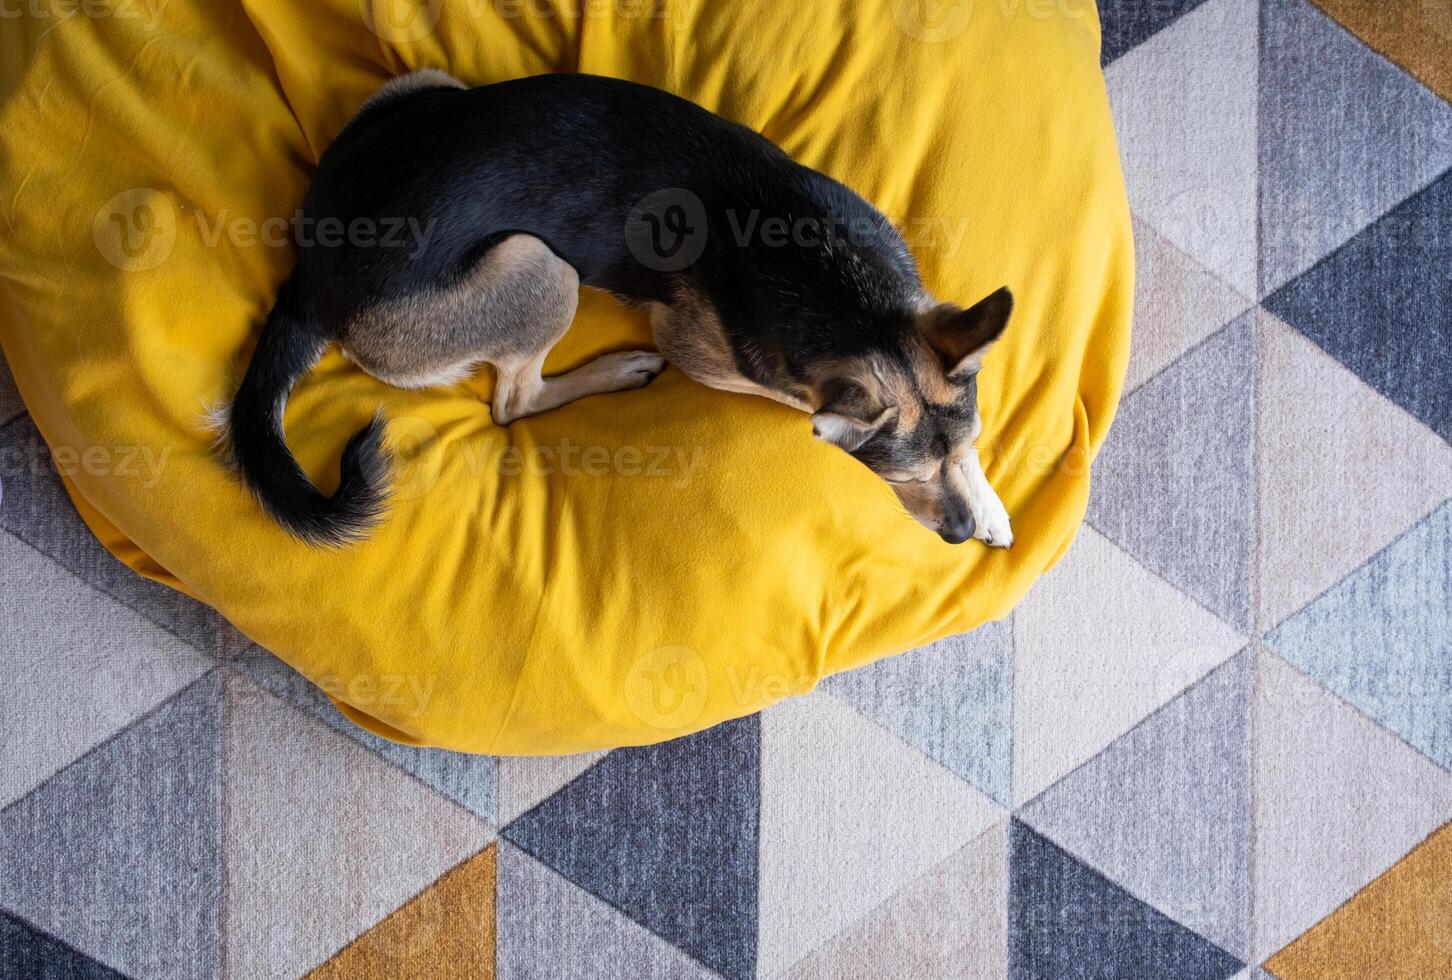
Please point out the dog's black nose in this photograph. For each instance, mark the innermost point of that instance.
(957, 532)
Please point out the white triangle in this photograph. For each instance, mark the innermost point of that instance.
(1343, 470)
(1177, 304)
(1184, 106)
(526, 781)
(323, 838)
(1338, 801)
(848, 815)
(949, 924)
(90, 666)
(547, 927)
(1099, 643)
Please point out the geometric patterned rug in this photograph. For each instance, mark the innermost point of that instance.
(1215, 742)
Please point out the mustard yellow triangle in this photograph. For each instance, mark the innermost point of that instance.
(447, 930)
(1416, 35)
(1399, 927)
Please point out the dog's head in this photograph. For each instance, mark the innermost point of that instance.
(910, 414)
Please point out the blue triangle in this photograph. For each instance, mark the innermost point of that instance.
(27, 953)
(1173, 481)
(668, 835)
(1066, 920)
(1382, 637)
(133, 827)
(469, 780)
(1382, 305)
(953, 700)
(1126, 23)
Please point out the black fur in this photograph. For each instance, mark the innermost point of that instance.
(289, 347)
(564, 158)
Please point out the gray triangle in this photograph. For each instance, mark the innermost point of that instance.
(91, 667)
(38, 511)
(119, 854)
(1344, 136)
(1174, 486)
(469, 780)
(549, 927)
(1165, 811)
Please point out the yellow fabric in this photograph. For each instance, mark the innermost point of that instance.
(604, 595)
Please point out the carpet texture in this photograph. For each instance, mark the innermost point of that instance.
(1214, 742)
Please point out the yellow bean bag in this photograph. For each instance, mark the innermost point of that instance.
(634, 566)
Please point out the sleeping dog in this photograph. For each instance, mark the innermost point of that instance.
(536, 186)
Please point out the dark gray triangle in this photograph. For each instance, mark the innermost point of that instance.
(1382, 305)
(1127, 23)
(26, 953)
(1066, 921)
(668, 835)
(10, 404)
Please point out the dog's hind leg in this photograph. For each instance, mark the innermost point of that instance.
(508, 310)
(520, 388)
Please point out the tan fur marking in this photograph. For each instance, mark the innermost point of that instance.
(689, 334)
(931, 378)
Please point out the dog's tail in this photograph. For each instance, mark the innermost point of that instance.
(252, 426)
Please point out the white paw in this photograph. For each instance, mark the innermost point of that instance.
(631, 368)
(993, 527)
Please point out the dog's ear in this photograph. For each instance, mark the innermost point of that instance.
(850, 418)
(962, 337)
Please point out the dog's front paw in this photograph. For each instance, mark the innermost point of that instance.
(994, 529)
